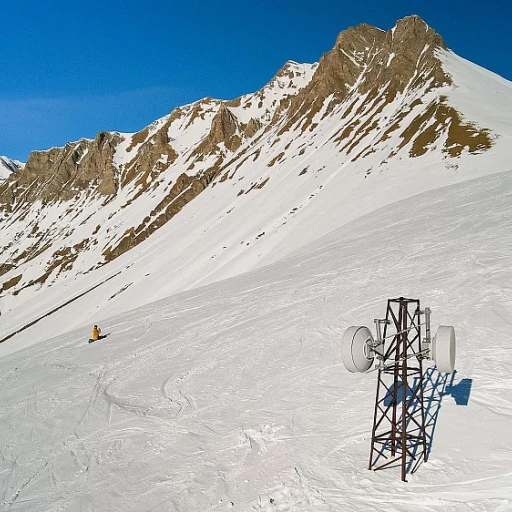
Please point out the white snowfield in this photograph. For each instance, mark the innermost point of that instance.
(232, 396)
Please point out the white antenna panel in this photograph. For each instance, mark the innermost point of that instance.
(356, 349)
(443, 349)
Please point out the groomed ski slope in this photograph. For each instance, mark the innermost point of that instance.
(232, 396)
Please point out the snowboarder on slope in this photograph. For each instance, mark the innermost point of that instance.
(96, 333)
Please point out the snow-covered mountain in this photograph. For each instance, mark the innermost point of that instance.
(393, 107)
(223, 187)
(224, 249)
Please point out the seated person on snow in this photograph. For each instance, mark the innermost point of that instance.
(96, 333)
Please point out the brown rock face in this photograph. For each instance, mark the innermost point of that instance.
(407, 52)
(224, 129)
(154, 155)
(368, 58)
(252, 127)
(59, 173)
(339, 69)
(7, 197)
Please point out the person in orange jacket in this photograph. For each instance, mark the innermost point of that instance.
(96, 333)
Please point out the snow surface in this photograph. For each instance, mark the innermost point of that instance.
(232, 396)
(491, 92)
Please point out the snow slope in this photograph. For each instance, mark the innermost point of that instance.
(223, 232)
(232, 396)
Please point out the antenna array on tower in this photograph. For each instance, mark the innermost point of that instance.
(398, 350)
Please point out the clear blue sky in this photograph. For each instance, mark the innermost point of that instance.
(69, 69)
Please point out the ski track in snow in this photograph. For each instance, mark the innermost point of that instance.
(233, 396)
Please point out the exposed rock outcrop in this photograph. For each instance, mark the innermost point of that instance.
(224, 129)
(153, 155)
(60, 173)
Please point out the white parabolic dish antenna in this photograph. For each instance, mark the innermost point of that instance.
(356, 349)
(443, 349)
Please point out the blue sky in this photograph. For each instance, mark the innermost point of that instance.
(69, 69)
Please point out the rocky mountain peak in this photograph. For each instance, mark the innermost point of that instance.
(339, 68)
(406, 58)
(412, 31)
(392, 57)
(366, 60)
(359, 39)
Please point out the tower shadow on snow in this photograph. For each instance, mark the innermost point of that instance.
(436, 386)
